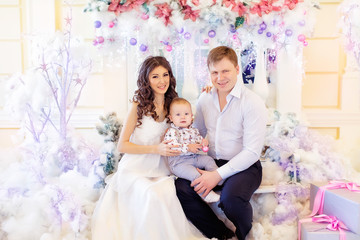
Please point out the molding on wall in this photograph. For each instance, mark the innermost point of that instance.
(331, 118)
(81, 118)
(86, 118)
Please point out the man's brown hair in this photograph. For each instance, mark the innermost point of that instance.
(218, 53)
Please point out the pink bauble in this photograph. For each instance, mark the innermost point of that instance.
(168, 48)
(205, 148)
(111, 24)
(305, 43)
(100, 39)
(144, 16)
(301, 37)
(206, 40)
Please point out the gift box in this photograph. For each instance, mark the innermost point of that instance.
(318, 231)
(342, 203)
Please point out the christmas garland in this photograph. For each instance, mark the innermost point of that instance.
(194, 9)
(167, 24)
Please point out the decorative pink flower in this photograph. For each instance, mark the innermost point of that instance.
(265, 6)
(195, 2)
(117, 7)
(132, 4)
(113, 5)
(164, 11)
(291, 4)
(227, 3)
(189, 13)
(239, 8)
(182, 3)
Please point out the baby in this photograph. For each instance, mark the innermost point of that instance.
(182, 133)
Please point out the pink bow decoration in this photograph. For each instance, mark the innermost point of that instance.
(319, 198)
(334, 224)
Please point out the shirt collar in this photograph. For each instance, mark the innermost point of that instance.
(179, 128)
(236, 91)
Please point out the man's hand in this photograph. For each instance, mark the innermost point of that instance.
(206, 182)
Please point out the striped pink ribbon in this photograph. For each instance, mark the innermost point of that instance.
(334, 224)
(319, 198)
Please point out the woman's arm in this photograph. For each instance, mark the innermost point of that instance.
(125, 146)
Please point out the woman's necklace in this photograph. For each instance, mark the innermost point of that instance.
(159, 109)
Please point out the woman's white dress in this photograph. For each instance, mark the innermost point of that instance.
(139, 201)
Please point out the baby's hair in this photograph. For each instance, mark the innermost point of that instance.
(179, 100)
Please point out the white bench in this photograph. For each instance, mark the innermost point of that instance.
(266, 189)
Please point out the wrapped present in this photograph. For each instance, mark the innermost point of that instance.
(338, 199)
(309, 230)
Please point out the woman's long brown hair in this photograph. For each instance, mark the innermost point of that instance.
(144, 96)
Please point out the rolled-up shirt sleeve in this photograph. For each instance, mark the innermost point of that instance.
(254, 130)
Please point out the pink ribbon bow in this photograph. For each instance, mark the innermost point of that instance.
(319, 198)
(334, 224)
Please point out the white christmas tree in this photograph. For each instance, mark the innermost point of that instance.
(51, 186)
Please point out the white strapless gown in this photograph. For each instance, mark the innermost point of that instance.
(139, 201)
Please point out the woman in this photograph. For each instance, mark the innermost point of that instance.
(140, 201)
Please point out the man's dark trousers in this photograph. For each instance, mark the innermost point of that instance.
(236, 192)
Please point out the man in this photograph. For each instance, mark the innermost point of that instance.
(234, 119)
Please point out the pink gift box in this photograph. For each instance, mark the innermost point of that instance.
(342, 203)
(318, 231)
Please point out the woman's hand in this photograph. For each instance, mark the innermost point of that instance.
(194, 147)
(166, 149)
(206, 88)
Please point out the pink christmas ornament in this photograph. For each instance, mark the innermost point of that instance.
(301, 37)
(206, 40)
(168, 48)
(144, 16)
(111, 24)
(205, 148)
(100, 39)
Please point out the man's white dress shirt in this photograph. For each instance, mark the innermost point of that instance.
(236, 133)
